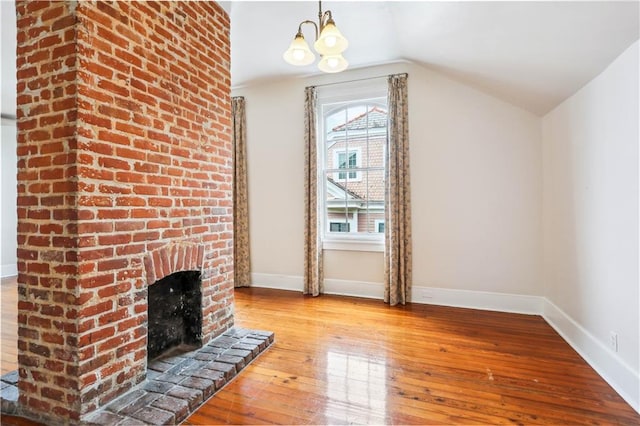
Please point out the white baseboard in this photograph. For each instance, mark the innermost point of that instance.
(485, 300)
(501, 302)
(277, 281)
(340, 287)
(9, 270)
(363, 289)
(607, 364)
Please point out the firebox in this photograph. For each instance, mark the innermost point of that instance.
(175, 313)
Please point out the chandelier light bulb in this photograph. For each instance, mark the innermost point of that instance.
(331, 41)
(298, 52)
(333, 63)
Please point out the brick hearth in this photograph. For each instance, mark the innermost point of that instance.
(124, 177)
(176, 385)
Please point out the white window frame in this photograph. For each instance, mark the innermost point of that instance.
(377, 223)
(372, 92)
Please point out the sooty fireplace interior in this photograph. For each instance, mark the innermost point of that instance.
(175, 313)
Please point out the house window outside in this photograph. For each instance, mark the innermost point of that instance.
(380, 226)
(347, 161)
(338, 227)
(352, 148)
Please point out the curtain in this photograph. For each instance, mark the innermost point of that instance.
(397, 251)
(313, 279)
(242, 270)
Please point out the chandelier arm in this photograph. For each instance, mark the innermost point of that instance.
(323, 17)
(308, 22)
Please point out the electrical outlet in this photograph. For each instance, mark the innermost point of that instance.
(613, 341)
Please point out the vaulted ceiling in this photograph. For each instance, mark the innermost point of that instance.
(531, 54)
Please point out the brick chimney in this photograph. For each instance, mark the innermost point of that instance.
(124, 177)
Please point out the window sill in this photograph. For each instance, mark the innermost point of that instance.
(353, 244)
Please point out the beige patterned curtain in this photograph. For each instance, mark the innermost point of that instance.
(241, 255)
(397, 251)
(313, 279)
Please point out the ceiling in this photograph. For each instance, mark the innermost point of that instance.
(531, 54)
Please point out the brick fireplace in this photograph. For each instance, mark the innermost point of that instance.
(124, 178)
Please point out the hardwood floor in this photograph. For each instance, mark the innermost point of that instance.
(339, 360)
(9, 329)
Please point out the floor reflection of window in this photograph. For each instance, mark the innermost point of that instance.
(356, 388)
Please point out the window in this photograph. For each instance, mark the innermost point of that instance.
(346, 161)
(352, 149)
(338, 227)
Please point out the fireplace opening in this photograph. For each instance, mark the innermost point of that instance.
(174, 313)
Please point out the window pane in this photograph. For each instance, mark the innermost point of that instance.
(377, 149)
(375, 187)
(342, 164)
(376, 136)
(337, 205)
(375, 201)
(352, 159)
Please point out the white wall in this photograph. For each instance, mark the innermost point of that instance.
(8, 166)
(476, 189)
(590, 160)
(8, 42)
(476, 186)
(8, 194)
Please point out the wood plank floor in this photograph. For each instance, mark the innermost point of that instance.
(9, 329)
(339, 360)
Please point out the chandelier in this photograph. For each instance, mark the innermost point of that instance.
(330, 44)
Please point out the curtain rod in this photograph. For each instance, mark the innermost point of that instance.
(7, 116)
(360, 79)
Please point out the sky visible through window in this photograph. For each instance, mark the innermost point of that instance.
(339, 118)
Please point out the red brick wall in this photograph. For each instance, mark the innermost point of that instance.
(124, 175)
